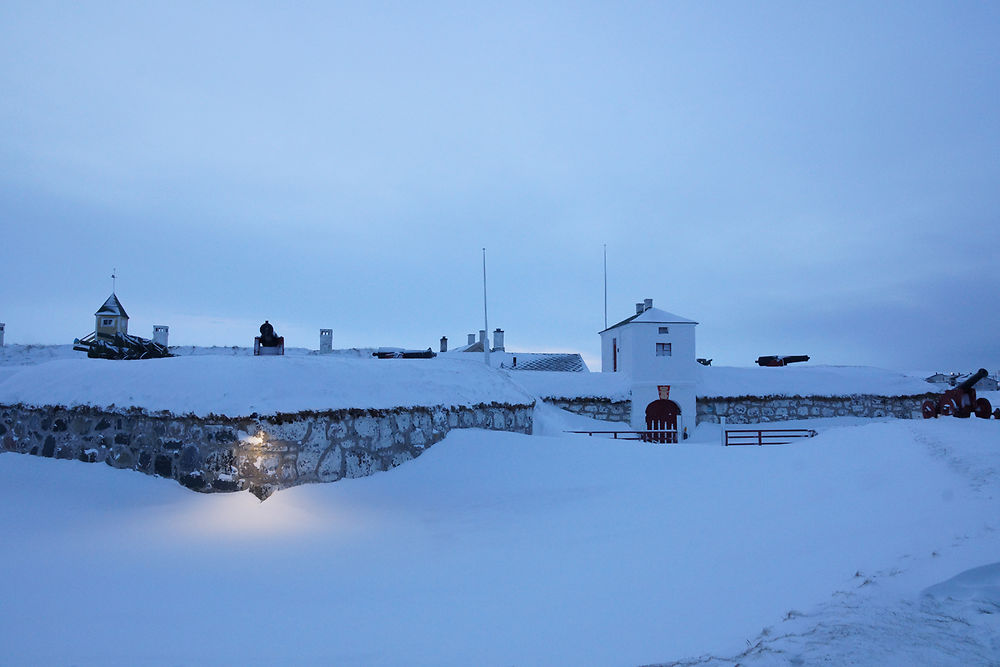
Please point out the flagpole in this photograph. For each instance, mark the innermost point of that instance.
(486, 326)
(605, 285)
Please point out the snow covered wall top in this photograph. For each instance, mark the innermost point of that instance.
(725, 381)
(238, 386)
(722, 381)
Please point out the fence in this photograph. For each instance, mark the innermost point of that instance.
(764, 436)
(663, 436)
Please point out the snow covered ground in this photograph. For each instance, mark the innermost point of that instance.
(502, 549)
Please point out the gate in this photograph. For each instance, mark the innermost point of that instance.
(661, 418)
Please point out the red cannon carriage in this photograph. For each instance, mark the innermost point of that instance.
(960, 401)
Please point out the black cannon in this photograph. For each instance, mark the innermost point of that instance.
(268, 342)
(400, 353)
(960, 401)
(781, 360)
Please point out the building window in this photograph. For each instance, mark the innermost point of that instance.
(663, 350)
(107, 322)
(664, 329)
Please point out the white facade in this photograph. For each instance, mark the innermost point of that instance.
(655, 349)
(325, 341)
(160, 334)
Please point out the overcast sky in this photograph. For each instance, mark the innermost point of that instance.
(800, 178)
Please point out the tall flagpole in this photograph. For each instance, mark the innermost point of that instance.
(486, 326)
(605, 285)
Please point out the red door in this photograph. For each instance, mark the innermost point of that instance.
(661, 415)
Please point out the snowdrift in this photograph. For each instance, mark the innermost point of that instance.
(238, 386)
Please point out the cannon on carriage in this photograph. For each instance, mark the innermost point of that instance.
(781, 360)
(961, 401)
(268, 342)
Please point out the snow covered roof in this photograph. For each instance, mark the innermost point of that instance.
(653, 316)
(561, 362)
(112, 307)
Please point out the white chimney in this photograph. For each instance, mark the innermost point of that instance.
(472, 339)
(2, 325)
(160, 333)
(647, 304)
(498, 340)
(444, 343)
(482, 338)
(325, 341)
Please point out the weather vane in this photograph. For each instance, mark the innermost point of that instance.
(114, 285)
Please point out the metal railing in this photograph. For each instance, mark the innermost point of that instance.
(764, 436)
(660, 436)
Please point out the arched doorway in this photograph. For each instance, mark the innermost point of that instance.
(661, 415)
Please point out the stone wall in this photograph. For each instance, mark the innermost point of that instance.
(595, 408)
(261, 454)
(754, 409)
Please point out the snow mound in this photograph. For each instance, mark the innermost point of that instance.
(809, 381)
(240, 385)
(550, 384)
(980, 584)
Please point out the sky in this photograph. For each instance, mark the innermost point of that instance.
(799, 178)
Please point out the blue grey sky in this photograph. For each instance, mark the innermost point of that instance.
(800, 178)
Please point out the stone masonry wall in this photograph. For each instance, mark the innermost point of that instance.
(595, 408)
(261, 454)
(754, 409)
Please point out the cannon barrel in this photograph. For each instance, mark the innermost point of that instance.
(972, 380)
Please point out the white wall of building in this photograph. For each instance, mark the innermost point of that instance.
(637, 342)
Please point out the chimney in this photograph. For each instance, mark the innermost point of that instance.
(639, 307)
(647, 304)
(444, 343)
(482, 338)
(472, 339)
(498, 340)
(160, 333)
(325, 341)
(2, 325)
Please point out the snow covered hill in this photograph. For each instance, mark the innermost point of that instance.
(231, 381)
(500, 549)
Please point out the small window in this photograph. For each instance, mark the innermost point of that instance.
(107, 322)
(663, 350)
(664, 329)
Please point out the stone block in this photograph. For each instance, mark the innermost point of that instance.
(366, 427)
(329, 469)
(358, 463)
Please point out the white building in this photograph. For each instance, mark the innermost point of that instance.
(656, 350)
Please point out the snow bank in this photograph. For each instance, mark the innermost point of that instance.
(808, 381)
(240, 385)
(547, 384)
(503, 549)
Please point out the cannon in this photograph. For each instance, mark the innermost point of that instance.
(960, 401)
(268, 342)
(400, 353)
(781, 360)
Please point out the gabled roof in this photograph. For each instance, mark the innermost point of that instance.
(112, 307)
(653, 316)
